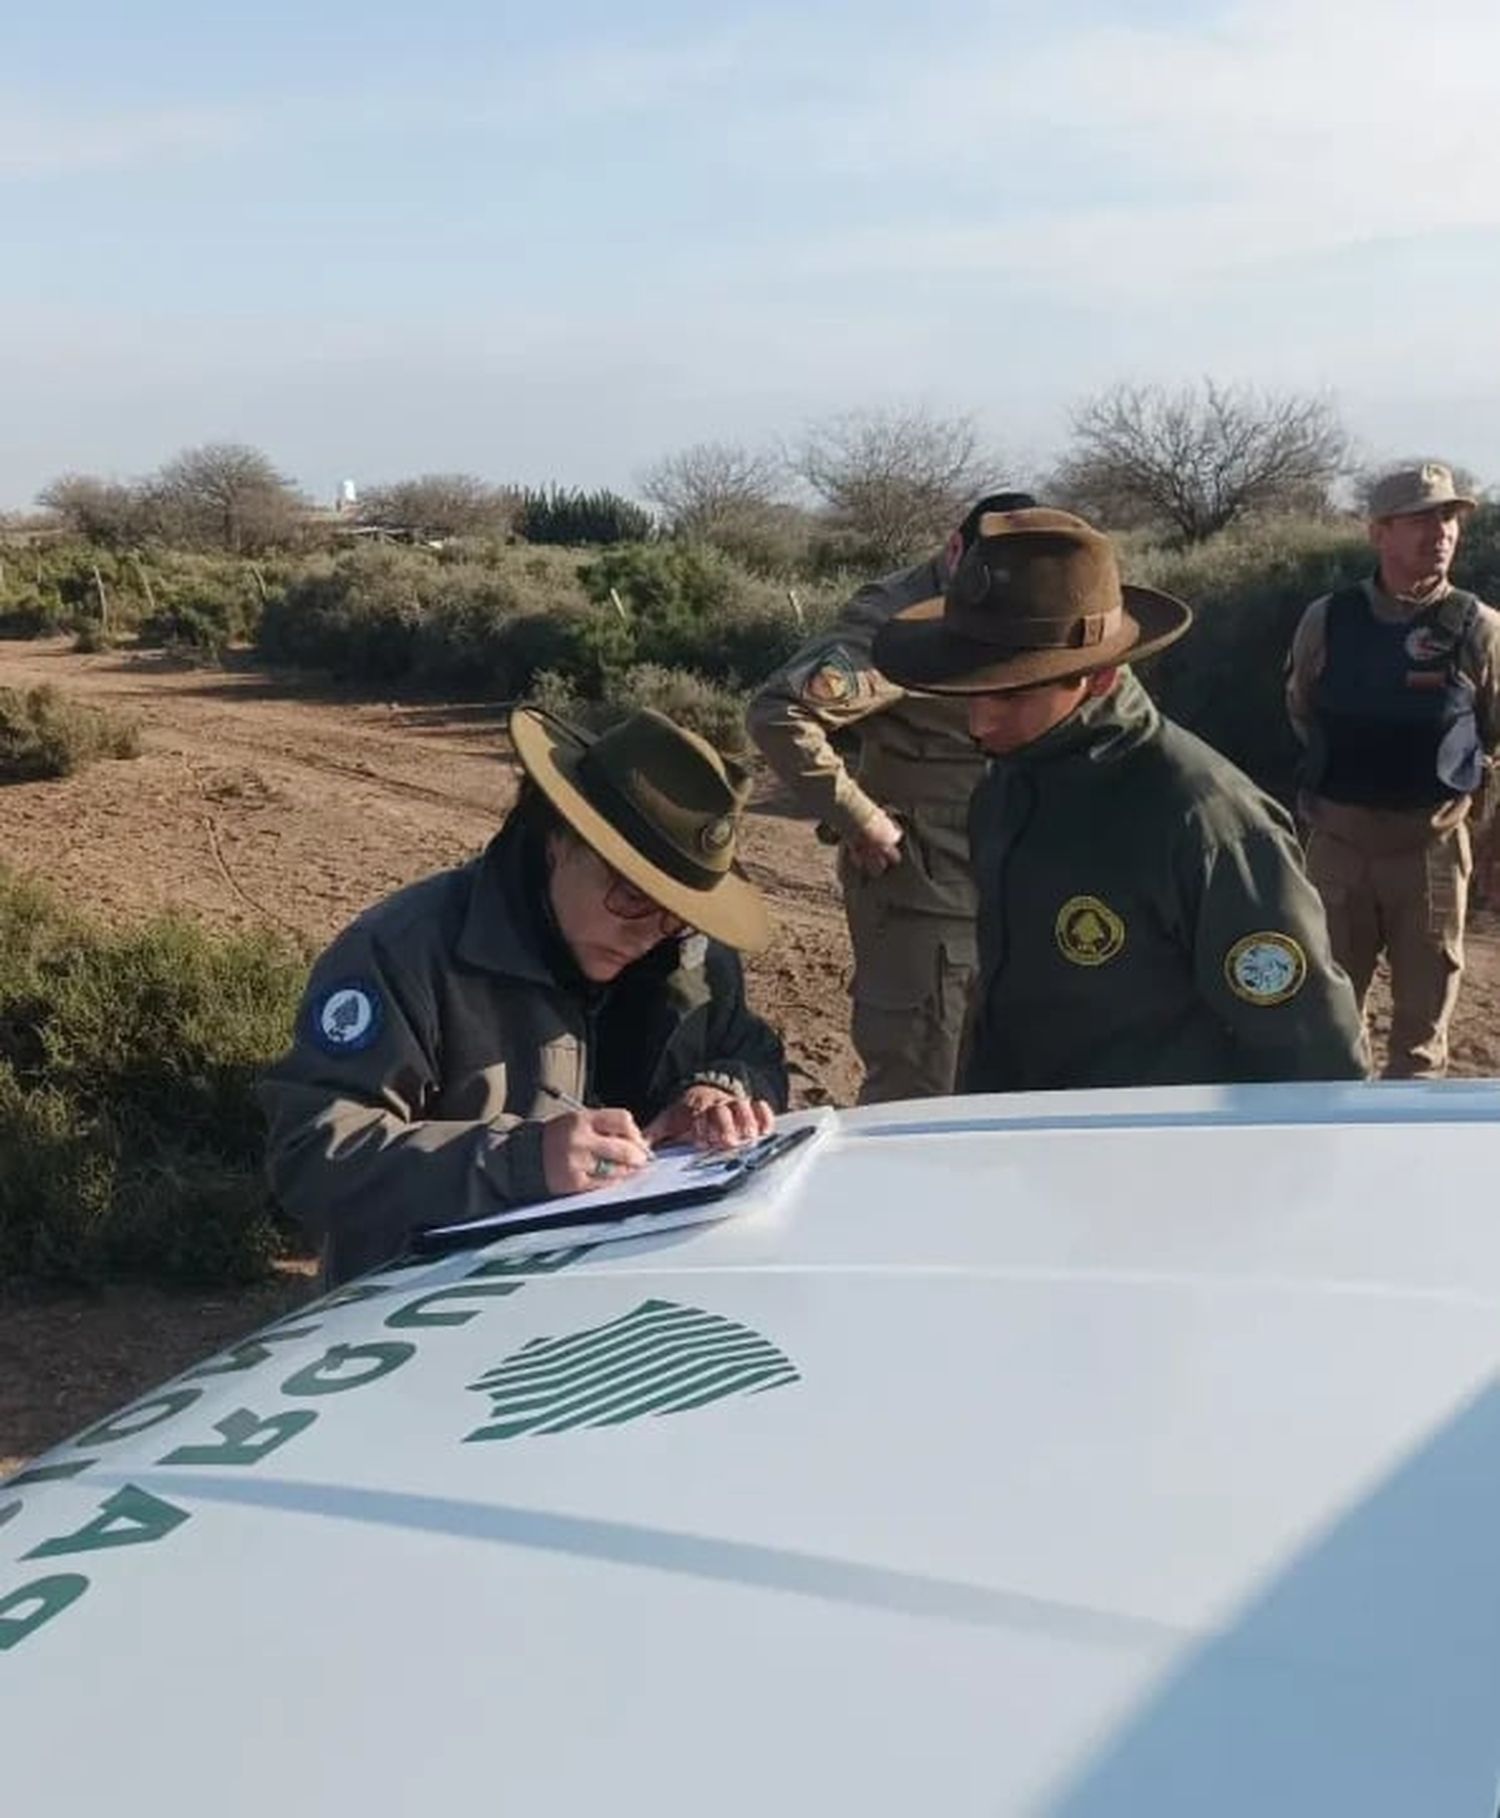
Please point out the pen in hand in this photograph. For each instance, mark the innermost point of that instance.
(560, 1097)
(586, 1148)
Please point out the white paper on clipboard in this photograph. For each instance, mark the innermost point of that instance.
(734, 1182)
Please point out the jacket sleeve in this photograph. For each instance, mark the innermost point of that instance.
(1305, 666)
(350, 1153)
(741, 1049)
(1483, 667)
(1260, 946)
(829, 686)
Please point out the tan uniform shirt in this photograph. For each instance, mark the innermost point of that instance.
(847, 741)
(1479, 663)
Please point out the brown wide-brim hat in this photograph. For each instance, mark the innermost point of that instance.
(1037, 598)
(657, 803)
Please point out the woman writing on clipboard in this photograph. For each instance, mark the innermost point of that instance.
(528, 1024)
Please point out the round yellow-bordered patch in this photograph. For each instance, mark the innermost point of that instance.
(1088, 931)
(1267, 968)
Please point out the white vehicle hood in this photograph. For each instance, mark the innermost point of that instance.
(1125, 1453)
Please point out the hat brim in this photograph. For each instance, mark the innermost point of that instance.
(1469, 507)
(729, 910)
(917, 650)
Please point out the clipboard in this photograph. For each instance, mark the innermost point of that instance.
(679, 1187)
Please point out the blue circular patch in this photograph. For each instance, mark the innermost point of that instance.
(347, 1018)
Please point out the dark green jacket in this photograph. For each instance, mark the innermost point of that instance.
(417, 1083)
(1145, 919)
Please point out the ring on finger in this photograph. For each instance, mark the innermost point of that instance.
(602, 1168)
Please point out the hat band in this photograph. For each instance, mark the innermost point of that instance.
(605, 794)
(1008, 633)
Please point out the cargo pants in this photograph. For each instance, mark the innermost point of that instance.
(1406, 898)
(914, 969)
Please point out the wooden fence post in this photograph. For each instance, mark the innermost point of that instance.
(145, 580)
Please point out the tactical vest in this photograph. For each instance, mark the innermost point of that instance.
(1393, 716)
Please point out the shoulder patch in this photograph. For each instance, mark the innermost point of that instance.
(1088, 931)
(833, 678)
(347, 1017)
(1267, 968)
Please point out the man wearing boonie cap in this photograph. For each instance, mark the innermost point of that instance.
(529, 1024)
(1144, 918)
(887, 775)
(1393, 686)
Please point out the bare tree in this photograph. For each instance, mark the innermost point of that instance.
(895, 480)
(734, 498)
(1192, 461)
(712, 480)
(104, 511)
(443, 505)
(224, 495)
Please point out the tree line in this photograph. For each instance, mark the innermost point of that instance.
(868, 487)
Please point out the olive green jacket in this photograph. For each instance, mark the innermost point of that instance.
(414, 1088)
(1145, 919)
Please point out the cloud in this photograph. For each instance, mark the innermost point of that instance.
(1137, 158)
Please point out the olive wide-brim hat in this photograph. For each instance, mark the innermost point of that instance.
(1038, 598)
(658, 804)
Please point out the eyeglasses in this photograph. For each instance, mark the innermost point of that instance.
(624, 900)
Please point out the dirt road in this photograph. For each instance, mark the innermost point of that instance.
(263, 801)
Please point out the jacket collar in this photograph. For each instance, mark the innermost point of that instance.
(502, 928)
(1101, 731)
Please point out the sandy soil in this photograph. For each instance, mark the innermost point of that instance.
(263, 800)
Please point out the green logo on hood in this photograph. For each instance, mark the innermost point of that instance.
(658, 1359)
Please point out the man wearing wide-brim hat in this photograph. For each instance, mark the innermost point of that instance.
(1144, 918)
(1394, 687)
(531, 1023)
(887, 775)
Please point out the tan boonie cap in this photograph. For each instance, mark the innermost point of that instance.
(1038, 598)
(1412, 489)
(660, 805)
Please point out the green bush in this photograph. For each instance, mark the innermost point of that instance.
(37, 616)
(1478, 564)
(768, 539)
(198, 602)
(45, 734)
(91, 637)
(355, 615)
(557, 515)
(195, 605)
(717, 714)
(385, 614)
(688, 606)
(1248, 587)
(129, 1138)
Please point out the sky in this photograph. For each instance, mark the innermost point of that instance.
(555, 244)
